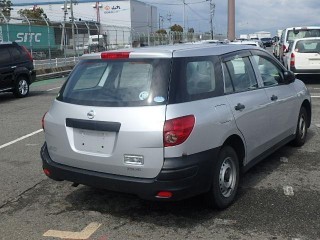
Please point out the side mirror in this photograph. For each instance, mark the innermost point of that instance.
(289, 77)
(286, 50)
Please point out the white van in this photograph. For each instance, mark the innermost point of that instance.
(303, 56)
(290, 34)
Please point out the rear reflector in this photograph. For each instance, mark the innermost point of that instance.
(46, 172)
(177, 130)
(42, 120)
(115, 55)
(164, 194)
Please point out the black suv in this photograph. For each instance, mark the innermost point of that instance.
(16, 69)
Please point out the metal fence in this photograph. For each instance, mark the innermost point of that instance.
(56, 44)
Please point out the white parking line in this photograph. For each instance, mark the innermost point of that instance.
(53, 89)
(315, 96)
(84, 234)
(21, 138)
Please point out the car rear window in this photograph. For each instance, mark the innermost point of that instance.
(308, 46)
(129, 82)
(303, 33)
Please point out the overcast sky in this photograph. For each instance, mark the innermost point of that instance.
(251, 15)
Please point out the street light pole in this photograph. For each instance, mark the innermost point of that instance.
(72, 27)
(184, 13)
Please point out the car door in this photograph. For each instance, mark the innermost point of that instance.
(282, 97)
(248, 102)
(6, 70)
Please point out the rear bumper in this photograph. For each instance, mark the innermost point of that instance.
(185, 176)
(305, 71)
(32, 76)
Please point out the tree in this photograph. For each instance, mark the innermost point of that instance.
(161, 31)
(34, 15)
(176, 28)
(5, 8)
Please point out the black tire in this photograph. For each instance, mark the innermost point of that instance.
(21, 88)
(302, 128)
(225, 179)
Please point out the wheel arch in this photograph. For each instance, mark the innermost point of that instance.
(24, 74)
(307, 105)
(236, 142)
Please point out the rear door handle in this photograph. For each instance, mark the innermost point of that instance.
(274, 98)
(239, 107)
(13, 66)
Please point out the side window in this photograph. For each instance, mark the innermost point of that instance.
(242, 74)
(200, 77)
(271, 75)
(228, 87)
(15, 53)
(5, 56)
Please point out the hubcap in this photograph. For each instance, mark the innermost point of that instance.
(302, 127)
(227, 177)
(23, 87)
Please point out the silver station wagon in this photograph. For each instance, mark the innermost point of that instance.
(168, 123)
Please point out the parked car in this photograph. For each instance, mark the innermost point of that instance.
(267, 42)
(276, 50)
(303, 56)
(256, 43)
(16, 69)
(171, 122)
(290, 34)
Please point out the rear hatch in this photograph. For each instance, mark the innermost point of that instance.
(307, 54)
(109, 117)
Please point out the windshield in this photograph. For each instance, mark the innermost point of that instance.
(303, 33)
(138, 82)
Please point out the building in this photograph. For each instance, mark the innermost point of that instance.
(132, 14)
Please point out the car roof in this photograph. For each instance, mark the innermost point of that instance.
(7, 43)
(245, 42)
(301, 28)
(178, 50)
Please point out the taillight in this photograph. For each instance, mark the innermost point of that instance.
(115, 55)
(284, 48)
(28, 53)
(42, 120)
(177, 130)
(292, 60)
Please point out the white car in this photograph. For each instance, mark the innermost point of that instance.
(171, 122)
(290, 34)
(249, 42)
(303, 56)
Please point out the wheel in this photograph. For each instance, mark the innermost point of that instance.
(225, 179)
(21, 87)
(302, 129)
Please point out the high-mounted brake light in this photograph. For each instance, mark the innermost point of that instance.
(292, 60)
(177, 130)
(115, 55)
